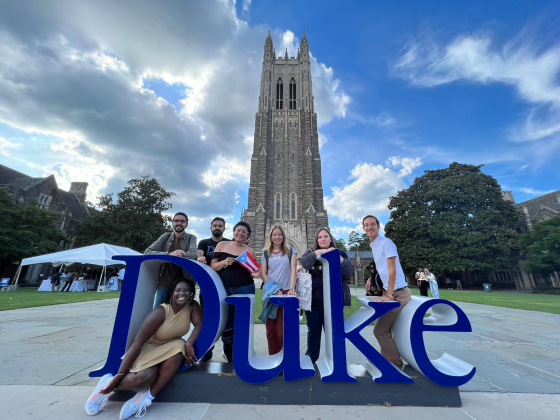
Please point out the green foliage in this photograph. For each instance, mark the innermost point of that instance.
(134, 221)
(26, 231)
(357, 242)
(541, 245)
(341, 244)
(452, 220)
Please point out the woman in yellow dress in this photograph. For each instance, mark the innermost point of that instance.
(156, 353)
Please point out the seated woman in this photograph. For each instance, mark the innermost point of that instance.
(156, 353)
(324, 242)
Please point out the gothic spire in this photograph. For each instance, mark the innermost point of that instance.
(286, 56)
(268, 48)
(304, 46)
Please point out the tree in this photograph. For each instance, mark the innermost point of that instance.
(134, 221)
(26, 231)
(341, 244)
(541, 245)
(452, 220)
(357, 242)
(353, 241)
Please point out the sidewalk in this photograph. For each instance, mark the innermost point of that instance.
(49, 351)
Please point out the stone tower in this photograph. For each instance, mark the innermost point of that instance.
(286, 186)
(79, 189)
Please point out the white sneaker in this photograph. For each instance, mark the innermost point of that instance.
(96, 400)
(136, 405)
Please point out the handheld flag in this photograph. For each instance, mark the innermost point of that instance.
(247, 261)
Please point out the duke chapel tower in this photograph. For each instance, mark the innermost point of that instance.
(286, 186)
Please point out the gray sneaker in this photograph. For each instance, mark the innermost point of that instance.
(96, 400)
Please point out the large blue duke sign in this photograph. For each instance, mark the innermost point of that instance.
(408, 330)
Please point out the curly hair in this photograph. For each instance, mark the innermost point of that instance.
(171, 289)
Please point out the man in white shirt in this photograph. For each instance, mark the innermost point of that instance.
(120, 277)
(394, 284)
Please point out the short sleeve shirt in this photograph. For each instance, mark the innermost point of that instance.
(208, 246)
(382, 249)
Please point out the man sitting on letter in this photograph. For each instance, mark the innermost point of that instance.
(395, 287)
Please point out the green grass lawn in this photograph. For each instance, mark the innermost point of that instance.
(513, 300)
(28, 297)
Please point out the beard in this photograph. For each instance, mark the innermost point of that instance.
(217, 233)
(178, 228)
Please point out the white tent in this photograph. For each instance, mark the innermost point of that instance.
(100, 254)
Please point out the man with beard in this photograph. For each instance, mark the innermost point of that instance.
(204, 253)
(178, 243)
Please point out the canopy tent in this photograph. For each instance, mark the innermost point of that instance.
(100, 254)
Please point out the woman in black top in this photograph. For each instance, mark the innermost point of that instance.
(237, 280)
(324, 243)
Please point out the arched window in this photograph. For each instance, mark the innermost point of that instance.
(279, 94)
(293, 206)
(292, 94)
(277, 206)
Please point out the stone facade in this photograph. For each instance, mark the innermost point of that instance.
(45, 194)
(285, 184)
(533, 211)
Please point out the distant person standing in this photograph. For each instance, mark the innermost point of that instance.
(88, 275)
(432, 280)
(448, 283)
(423, 283)
(120, 277)
(178, 243)
(69, 281)
(55, 280)
(395, 287)
(459, 285)
(204, 254)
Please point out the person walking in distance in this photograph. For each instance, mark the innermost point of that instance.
(204, 254)
(395, 287)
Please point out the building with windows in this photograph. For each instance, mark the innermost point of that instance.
(45, 194)
(285, 185)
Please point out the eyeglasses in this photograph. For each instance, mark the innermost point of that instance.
(179, 221)
(241, 231)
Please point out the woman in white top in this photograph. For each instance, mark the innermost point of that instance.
(433, 283)
(278, 263)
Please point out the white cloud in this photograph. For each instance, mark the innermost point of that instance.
(383, 120)
(6, 144)
(408, 164)
(72, 75)
(534, 192)
(367, 193)
(330, 101)
(323, 139)
(523, 63)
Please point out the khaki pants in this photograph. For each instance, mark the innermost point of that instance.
(382, 328)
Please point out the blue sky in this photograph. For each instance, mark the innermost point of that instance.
(104, 92)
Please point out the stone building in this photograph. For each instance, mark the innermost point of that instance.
(44, 193)
(285, 184)
(533, 211)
